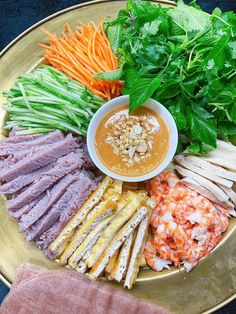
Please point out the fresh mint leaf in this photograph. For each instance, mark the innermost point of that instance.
(129, 77)
(109, 76)
(114, 36)
(190, 18)
(142, 89)
(180, 118)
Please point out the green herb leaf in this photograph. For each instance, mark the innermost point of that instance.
(201, 111)
(232, 46)
(203, 130)
(194, 148)
(217, 54)
(150, 28)
(143, 89)
(190, 18)
(109, 76)
(114, 36)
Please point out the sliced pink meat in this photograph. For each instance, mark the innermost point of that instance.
(39, 159)
(63, 166)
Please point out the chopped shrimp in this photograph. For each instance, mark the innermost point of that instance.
(155, 262)
(185, 225)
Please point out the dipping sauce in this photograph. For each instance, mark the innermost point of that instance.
(132, 145)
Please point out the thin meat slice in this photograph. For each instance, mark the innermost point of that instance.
(63, 166)
(46, 202)
(194, 185)
(13, 148)
(88, 163)
(224, 159)
(217, 170)
(24, 210)
(14, 138)
(229, 192)
(39, 159)
(227, 147)
(221, 196)
(23, 180)
(211, 175)
(50, 235)
(69, 203)
(28, 153)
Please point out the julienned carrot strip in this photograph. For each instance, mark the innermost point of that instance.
(83, 52)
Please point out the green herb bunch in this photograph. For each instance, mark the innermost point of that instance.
(184, 58)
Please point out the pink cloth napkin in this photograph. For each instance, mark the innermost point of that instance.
(39, 291)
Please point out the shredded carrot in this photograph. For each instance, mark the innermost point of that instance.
(82, 53)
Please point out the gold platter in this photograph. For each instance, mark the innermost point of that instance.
(208, 287)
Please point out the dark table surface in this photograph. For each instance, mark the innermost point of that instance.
(18, 15)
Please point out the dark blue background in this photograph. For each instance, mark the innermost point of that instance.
(18, 15)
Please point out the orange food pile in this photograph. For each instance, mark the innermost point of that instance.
(82, 53)
(185, 225)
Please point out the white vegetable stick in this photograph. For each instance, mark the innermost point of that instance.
(204, 182)
(181, 160)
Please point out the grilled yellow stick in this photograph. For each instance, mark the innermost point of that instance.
(120, 217)
(104, 209)
(138, 247)
(117, 241)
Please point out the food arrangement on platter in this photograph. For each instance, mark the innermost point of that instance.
(175, 68)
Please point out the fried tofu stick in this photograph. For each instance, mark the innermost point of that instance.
(121, 265)
(123, 201)
(94, 199)
(143, 262)
(117, 241)
(87, 244)
(114, 191)
(119, 219)
(81, 267)
(104, 209)
(138, 248)
(112, 262)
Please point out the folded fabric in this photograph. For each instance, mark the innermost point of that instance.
(40, 291)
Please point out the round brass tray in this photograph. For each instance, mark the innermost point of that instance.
(208, 287)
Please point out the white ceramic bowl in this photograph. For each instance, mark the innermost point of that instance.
(121, 101)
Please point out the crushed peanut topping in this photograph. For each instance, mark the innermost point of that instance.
(131, 137)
